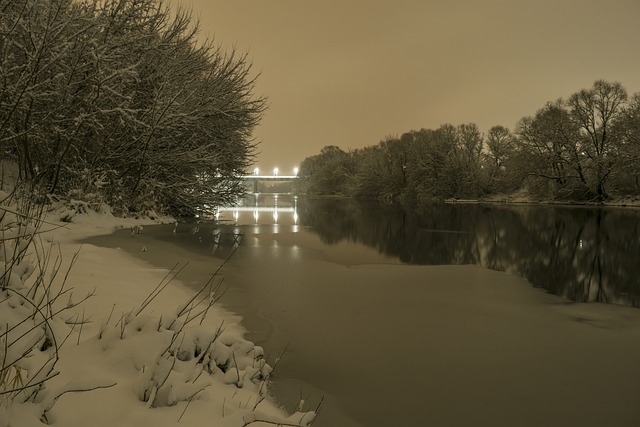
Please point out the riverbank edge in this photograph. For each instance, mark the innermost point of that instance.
(94, 262)
(515, 200)
(634, 205)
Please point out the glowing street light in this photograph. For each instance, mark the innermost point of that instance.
(295, 171)
(275, 171)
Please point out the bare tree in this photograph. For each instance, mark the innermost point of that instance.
(627, 174)
(594, 111)
(498, 160)
(551, 142)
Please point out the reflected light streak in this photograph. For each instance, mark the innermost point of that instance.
(295, 252)
(260, 214)
(256, 209)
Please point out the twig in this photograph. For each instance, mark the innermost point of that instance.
(45, 320)
(273, 368)
(160, 287)
(30, 385)
(112, 308)
(189, 402)
(258, 401)
(275, 423)
(80, 331)
(159, 323)
(209, 281)
(73, 327)
(173, 365)
(55, 398)
(122, 326)
(238, 384)
(317, 411)
(215, 337)
(40, 220)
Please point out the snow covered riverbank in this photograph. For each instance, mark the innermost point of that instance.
(145, 357)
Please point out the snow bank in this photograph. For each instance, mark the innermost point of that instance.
(124, 343)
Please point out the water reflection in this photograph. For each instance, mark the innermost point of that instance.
(256, 214)
(584, 254)
(262, 209)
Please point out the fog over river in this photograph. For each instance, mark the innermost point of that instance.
(448, 315)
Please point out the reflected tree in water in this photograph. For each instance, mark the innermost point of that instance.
(583, 254)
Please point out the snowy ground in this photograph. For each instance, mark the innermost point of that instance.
(145, 365)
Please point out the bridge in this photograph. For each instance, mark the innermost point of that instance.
(254, 180)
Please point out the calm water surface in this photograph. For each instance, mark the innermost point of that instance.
(433, 316)
(583, 254)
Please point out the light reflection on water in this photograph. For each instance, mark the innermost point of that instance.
(583, 254)
(259, 208)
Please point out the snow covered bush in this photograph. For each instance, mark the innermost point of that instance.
(129, 103)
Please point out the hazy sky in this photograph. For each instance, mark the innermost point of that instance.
(352, 72)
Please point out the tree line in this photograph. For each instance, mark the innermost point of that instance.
(584, 148)
(118, 101)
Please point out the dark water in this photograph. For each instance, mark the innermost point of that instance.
(583, 254)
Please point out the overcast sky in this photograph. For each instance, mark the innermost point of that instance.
(352, 72)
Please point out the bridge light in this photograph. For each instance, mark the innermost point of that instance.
(275, 171)
(295, 171)
(256, 171)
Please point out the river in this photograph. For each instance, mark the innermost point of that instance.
(447, 315)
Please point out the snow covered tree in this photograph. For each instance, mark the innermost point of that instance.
(37, 65)
(120, 99)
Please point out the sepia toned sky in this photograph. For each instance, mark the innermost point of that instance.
(352, 72)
